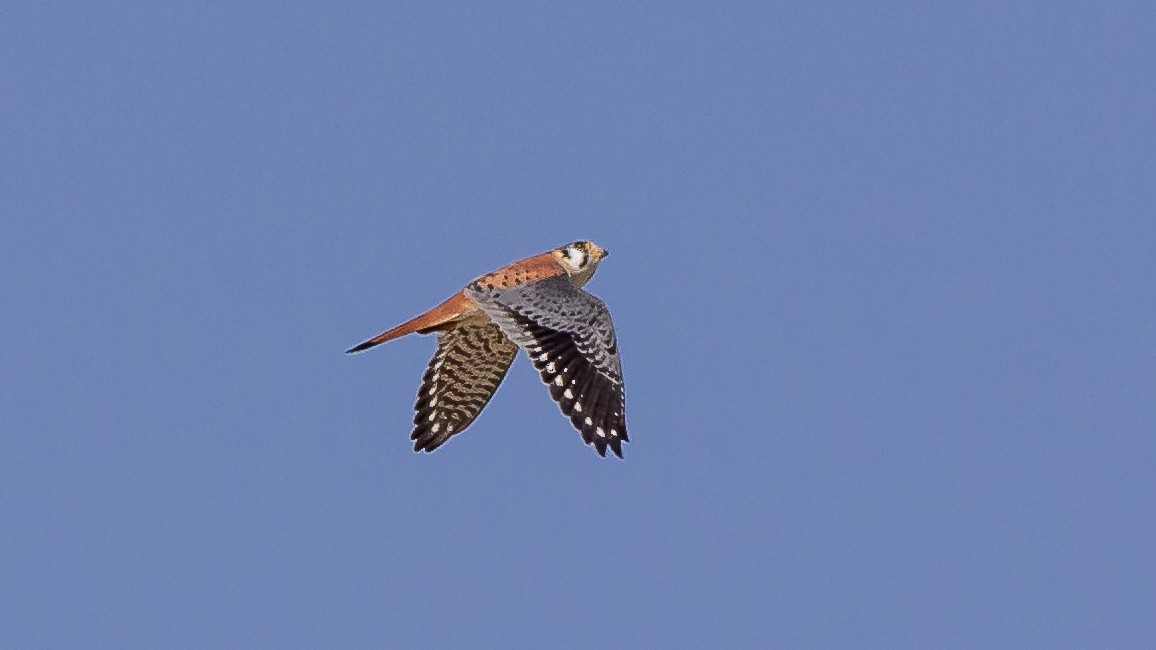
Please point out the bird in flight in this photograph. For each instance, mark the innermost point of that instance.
(536, 304)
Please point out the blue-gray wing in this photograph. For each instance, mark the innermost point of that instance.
(569, 337)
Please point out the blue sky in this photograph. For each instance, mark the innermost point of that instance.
(883, 281)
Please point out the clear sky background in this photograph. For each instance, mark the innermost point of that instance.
(884, 281)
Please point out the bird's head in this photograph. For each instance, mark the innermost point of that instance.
(580, 259)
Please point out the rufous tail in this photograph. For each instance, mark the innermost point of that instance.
(437, 318)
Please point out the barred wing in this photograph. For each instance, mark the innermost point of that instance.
(570, 339)
(470, 361)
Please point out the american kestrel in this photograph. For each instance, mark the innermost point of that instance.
(536, 304)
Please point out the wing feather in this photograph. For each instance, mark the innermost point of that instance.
(569, 337)
(465, 371)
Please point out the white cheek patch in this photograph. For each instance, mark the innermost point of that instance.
(575, 258)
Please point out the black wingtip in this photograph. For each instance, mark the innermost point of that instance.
(426, 444)
(601, 445)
